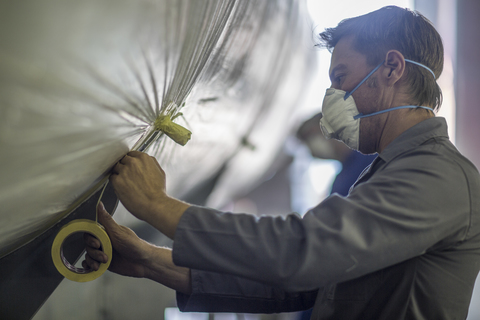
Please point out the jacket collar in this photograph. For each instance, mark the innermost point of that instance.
(434, 127)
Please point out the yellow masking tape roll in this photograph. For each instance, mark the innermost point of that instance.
(63, 266)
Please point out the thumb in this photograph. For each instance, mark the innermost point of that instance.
(105, 219)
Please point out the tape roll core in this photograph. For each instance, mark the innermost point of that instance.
(64, 266)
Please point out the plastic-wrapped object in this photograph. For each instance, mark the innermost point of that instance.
(83, 82)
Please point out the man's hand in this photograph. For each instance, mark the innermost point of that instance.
(139, 183)
(135, 257)
(129, 251)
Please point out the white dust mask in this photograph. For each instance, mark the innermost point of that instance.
(338, 120)
(340, 117)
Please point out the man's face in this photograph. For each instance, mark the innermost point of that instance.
(347, 69)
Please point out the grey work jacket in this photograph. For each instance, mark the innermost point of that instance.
(404, 244)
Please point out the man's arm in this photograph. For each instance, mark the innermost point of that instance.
(139, 183)
(135, 257)
(196, 290)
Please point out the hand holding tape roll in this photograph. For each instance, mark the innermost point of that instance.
(68, 270)
(63, 266)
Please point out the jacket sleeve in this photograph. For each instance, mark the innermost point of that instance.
(402, 211)
(215, 292)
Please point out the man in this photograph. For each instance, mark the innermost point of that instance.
(405, 242)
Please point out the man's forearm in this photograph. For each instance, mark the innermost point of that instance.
(159, 267)
(165, 215)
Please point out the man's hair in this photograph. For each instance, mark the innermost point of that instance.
(394, 28)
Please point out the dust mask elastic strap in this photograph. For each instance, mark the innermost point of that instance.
(348, 94)
(361, 115)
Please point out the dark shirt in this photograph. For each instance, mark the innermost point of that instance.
(404, 244)
(351, 169)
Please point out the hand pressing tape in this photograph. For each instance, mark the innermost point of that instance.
(68, 270)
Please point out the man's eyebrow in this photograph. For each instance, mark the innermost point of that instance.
(337, 68)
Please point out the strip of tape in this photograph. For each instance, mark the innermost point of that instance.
(63, 266)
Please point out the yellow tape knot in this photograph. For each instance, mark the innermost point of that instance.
(175, 131)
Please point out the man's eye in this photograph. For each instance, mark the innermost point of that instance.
(339, 78)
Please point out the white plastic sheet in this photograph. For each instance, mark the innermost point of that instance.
(81, 82)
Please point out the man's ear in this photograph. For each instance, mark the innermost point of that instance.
(395, 67)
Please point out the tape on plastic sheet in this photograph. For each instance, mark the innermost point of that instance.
(68, 270)
(173, 130)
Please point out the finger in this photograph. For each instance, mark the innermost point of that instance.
(124, 159)
(96, 255)
(90, 263)
(91, 241)
(118, 168)
(136, 154)
(113, 178)
(117, 182)
(101, 207)
(85, 265)
(127, 158)
(105, 219)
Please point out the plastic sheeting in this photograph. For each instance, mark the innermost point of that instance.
(82, 82)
